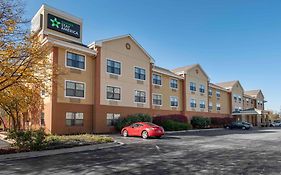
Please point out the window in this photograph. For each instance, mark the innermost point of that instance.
(42, 121)
(157, 99)
(174, 101)
(210, 92)
(157, 79)
(75, 60)
(111, 119)
(113, 93)
(235, 97)
(218, 106)
(218, 94)
(236, 109)
(240, 109)
(74, 119)
(174, 83)
(193, 103)
(239, 98)
(247, 100)
(192, 86)
(74, 89)
(113, 67)
(202, 88)
(202, 104)
(210, 106)
(139, 73)
(140, 97)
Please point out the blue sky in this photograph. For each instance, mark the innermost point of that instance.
(232, 40)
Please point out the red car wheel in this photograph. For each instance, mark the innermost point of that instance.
(144, 134)
(125, 133)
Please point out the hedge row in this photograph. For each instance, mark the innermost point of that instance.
(175, 122)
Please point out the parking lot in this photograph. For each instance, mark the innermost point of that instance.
(209, 152)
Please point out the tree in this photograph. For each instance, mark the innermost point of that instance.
(25, 66)
(23, 59)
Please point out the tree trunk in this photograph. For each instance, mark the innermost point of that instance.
(2, 120)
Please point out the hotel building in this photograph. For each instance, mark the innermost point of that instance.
(116, 77)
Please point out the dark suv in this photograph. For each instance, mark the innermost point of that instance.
(239, 125)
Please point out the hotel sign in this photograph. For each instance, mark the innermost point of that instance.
(63, 26)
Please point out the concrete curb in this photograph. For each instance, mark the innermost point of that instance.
(194, 130)
(34, 154)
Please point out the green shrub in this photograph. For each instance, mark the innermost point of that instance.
(28, 140)
(200, 122)
(122, 122)
(170, 125)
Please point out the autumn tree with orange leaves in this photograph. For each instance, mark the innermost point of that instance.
(25, 68)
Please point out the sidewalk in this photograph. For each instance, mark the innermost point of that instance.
(33, 154)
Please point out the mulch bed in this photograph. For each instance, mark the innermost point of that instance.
(10, 150)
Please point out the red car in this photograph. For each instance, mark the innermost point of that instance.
(143, 129)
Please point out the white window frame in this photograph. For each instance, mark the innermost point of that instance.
(145, 96)
(115, 87)
(161, 99)
(85, 87)
(177, 83)
(160, 79)
(193, 99)
(144, 74)
(177, 101)
(110, 59)
(77, 54)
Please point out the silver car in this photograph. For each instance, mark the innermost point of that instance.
(276, 123)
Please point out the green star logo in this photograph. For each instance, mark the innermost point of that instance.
(55, 22)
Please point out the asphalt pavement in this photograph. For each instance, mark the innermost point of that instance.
(210, 152)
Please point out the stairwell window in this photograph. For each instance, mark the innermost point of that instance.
(140, 96)
(113, 67)
(192, 86)
(202, 88)
(75, 60)
(174, 83)
(139, 73)
(113, 93)
(74, 118)
(210, 92)
(157, 80)
(210, 106)
(218, 94)
(174, 101)
(75, 89)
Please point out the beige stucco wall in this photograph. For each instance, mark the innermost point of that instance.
(199, 78)
(166, 91)
(223, 100)
(84, 76)
(249, 104)
(129, 58)
(260, 98)
(237, 90)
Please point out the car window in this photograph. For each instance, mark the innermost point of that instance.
(134, 125)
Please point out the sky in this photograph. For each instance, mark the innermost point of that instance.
(231, 40)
